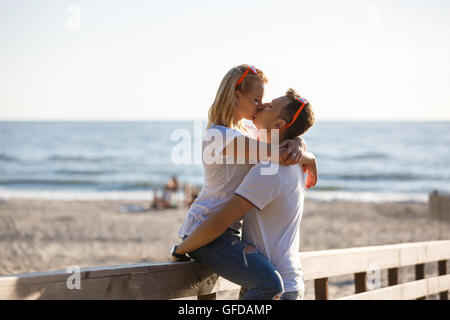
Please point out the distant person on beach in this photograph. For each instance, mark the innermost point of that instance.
(190, 194)
(239, 97)
(167, 199)
(272, 204)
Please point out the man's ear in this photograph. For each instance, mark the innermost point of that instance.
(279, 123)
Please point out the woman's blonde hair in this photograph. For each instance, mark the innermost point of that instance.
(221, 111)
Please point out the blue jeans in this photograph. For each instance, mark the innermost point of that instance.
(291, 295)
(226, 257)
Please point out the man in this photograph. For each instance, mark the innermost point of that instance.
(272, 204)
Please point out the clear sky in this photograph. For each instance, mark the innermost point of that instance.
(161, 60)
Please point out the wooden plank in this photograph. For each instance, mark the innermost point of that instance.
(321, 289)
(330, 263)
(176, 280)
(405, 291)
(211, 296)
(164, 281)
(392, 276)
(442, 269)
(360, 282)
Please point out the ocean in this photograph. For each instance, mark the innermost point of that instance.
(360, 161)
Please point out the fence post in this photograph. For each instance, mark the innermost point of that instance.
(392, 276)
(360, 282)
(321, 288)
(420, 274)
(442, 266)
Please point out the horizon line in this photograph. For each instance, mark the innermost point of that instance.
(185, 120)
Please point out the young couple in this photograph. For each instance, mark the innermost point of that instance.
(265, 261)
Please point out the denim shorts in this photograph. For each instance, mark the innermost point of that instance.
(230, 258)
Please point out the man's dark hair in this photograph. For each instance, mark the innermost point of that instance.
(305, 119)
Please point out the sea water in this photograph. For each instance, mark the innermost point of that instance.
(362, 161)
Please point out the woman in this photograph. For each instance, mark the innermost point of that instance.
(239, 97)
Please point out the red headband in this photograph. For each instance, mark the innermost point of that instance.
(303, 102)
(245, 73)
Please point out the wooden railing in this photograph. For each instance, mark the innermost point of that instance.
(184, 279)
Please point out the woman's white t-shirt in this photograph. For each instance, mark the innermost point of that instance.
(220, 182)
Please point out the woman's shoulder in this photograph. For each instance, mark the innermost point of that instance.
(223, 129)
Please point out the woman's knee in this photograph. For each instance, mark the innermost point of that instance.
(270, 282)
(270, 289)
(275, 285)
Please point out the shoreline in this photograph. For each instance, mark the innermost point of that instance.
(316, 196)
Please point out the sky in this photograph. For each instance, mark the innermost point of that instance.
(163, 60)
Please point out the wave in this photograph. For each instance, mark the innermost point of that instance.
(5, 157)
(129, 186)
(77, 158)
(381, 177)
(367, 155)
(47, 182)
(366, 196)
(87, 172)
(82, 183)
(361, 156)
(329, 188)
(76, 195)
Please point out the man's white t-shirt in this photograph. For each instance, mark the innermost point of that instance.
(220, 182)
(274, 226)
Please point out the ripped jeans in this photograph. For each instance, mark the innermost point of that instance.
(230, 258)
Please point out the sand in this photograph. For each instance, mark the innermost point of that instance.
(44, 235)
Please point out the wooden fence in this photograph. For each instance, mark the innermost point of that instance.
(184, 279)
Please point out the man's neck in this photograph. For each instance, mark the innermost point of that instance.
(280, 135)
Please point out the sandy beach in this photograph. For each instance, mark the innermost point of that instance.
(44, 235)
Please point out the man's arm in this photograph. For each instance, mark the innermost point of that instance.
(215, 225)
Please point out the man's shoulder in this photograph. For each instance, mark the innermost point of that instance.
(259, 178)
(259, 169)
(281, 170)
(285, 176)
(259, 174)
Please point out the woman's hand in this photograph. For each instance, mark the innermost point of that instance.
(175, 256)
(291, 151)
(175, 259)
(309, 164)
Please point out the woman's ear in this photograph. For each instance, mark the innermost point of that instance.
(237, 95)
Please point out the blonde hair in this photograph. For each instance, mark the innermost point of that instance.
(221, 111)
